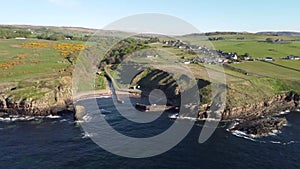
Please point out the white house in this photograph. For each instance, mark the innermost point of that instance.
(268, 59)
(187, 62)
(20, 38)
(150, 56)
(246, 58)
(235, 57)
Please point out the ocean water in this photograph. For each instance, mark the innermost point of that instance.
(58, 142)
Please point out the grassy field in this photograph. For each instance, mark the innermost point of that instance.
(254, 45)
(21, 65)
(30, 69)
(38, 63)
(264, 79)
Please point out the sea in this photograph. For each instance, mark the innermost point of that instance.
(58, 142)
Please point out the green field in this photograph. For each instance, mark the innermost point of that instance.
(263, 79)
(45, 66)
(39, 63)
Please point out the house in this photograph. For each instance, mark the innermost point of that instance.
(234, 57)
(246, 58)
(220, 60)
(186, 62)
(226, 61)
(20, 38)
(291, 57)
(268, 59)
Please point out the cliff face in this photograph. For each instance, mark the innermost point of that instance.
(254, 108)
(159, 79)
(38, 100)
(271, 106)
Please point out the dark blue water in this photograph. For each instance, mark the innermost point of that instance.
(60, 143)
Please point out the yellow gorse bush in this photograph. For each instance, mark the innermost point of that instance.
(67, 49)
(64, 48)
(17, 60)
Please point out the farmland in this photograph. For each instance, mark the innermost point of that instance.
(262, 80)
(36, 62)
(31, 64)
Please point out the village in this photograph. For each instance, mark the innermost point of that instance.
(212, 56)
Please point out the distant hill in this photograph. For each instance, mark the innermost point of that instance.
(110, 32)
(283, 33)
(33, 27)
(40, 28)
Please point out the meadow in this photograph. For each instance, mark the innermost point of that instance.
(25, 62)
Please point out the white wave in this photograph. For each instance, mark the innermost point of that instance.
(233, 126)
(177, 116)
(275, 132)
(13, 118)
(53, 117)
(286, 143)
(290, 142)
(286, 124)
(275, 142)
(5, 119)
(211, 119)
(173, 116)
(243, 135)
(79, 121)
(187, 118)
(104, 111)
(87, 135)
(282, 113)
(86, 118)
(253, 137)
(63, 120)
(285, 112)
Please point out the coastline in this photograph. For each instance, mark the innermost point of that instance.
(266, 108)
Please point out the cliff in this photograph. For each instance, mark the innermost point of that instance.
(40, 98)
(269, 106)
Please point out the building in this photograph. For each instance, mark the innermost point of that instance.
(20, 38)
(186, 62)
(291, 57)
(268, 59)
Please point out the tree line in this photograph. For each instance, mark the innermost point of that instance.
(6, 33)
(127, 46)
(9, 33)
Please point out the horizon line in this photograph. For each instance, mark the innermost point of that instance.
(214, 31)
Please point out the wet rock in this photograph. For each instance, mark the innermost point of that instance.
(261, 126)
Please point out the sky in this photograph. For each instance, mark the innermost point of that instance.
(207, 16)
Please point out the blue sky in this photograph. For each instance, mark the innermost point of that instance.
(209, 15)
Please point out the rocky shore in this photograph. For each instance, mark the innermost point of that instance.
(256, 119)
(261, 118)
(261, 126)
(270, 106)
(50, 104)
